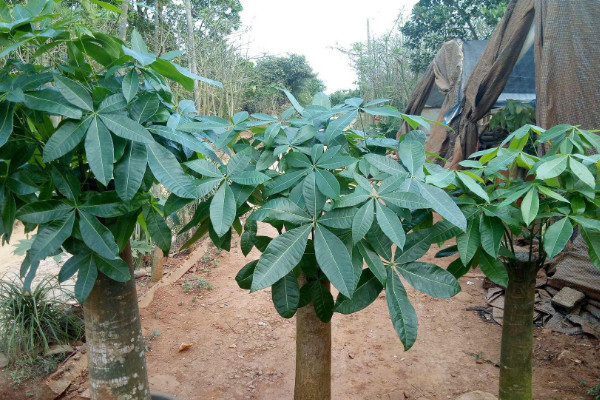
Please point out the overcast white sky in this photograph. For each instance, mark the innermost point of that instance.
(312, 27)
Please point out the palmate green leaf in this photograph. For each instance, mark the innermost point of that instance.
(402, 313)
(99, 151)
(249, 178)
(430, 279)
(530, 206)
(244, 276)
(158, 229)
(552, 168)
(373, 260)
(144, 107)
(443, 204)
(283, 182)
(52, 102)
(385, 164)
(130, 84)
(327, 183)
(339, 218)
(582, 173)
(222, 210)
(472, 185)
(86, 277)
(282, 209)
(113, 103)
(106, 204)
(493, 268)
(492, 231)
(107, 6)
(408, 200)
(362, 221)
(169, 172)
(286, 295)
(130, 169)
(71, 266)
(556, 236)
(41, 212)
(417, 244)
(116, 269)
(51, 236)
(592, 239)
(74, 93)
(366, 292)
(204, 167)
(587, 223)
(313, 198)
(126, 128)
(336, 126)
(390, 225)
(97, 236)
(469, 241)
(66, 183)
(7, 110)
(281, 255)
(187, 140)
(65, 139)
(334, 260)
(322, 301)
(412, 155)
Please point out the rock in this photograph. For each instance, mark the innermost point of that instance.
(58, 349)
(565, 354)
(477, 395)
(498, 315)
(567, 299)
(595, 311)
(138, 273)
(56, 383)
(3, 361)
(86, 394)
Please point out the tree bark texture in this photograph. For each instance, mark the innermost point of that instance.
(313, 355)
(517, 330)
(123, 20)
(191, 48)
(116, 362)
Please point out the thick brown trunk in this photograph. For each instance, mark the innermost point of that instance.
(517, 330)
(313, 355)
(158, 260)
(116, 362)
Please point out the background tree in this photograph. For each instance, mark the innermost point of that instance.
(433, 22)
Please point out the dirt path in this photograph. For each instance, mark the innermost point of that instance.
(241, 348)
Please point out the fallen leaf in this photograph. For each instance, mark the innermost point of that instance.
(184, 346)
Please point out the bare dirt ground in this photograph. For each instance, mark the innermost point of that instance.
(242, 349)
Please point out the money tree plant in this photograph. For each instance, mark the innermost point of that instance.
(346, 216)
(81, 143)
(507, 194)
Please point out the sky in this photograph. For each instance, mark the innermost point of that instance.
(313, 27)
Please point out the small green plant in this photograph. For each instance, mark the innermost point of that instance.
(150, 338)
(595, 392)
(196, 284)
(513, 116)
(30, 321)
(26, 369)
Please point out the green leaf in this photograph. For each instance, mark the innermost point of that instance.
(322, 302)
(97, 236)
(74, 93)
(550, 193)
(249, 178)
(283, 182)
(144, 107)
(592, 239)
(52, 102)
(107, 6)
(493, 269)
(408, 200)
(443, 204)
(339, 218)
(65, 139)
(204, 167)
(314, 199)
(71, 266)
(116, 269)
(587, 223)
(362, 221)
(41, 212)
(472, 185)
(130, 169)
(412, 155)
(417, 244)
(334, 260)
(51, 236)
(144, 58)
(222, 209)
(491, 230)
(113, 103)
(402, 313)
(286, 295)
(168, 171)
(66, 183)
(137, 42)
(282, 209)
(86, 277)
(158, 229)
(430, 279)
(556, 237)
(6, 121)
(552, 168)
(327, 183)
(366, 292)
(336, 126)
(469, 241)
(104, 205)
(582, 173)
(99, 151)
(390, 225)
(130, 85)
(530, 206)
(126, 128)
(244, 276)
(373, 261)
(281, 255)
(385, 164)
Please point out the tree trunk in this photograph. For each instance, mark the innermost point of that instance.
(191, 48)
(116, 362)
(517, 330)
(158, 260)
(156, 28)
(313, 355)
(123, 20)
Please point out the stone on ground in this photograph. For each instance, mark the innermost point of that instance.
(567, 299)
